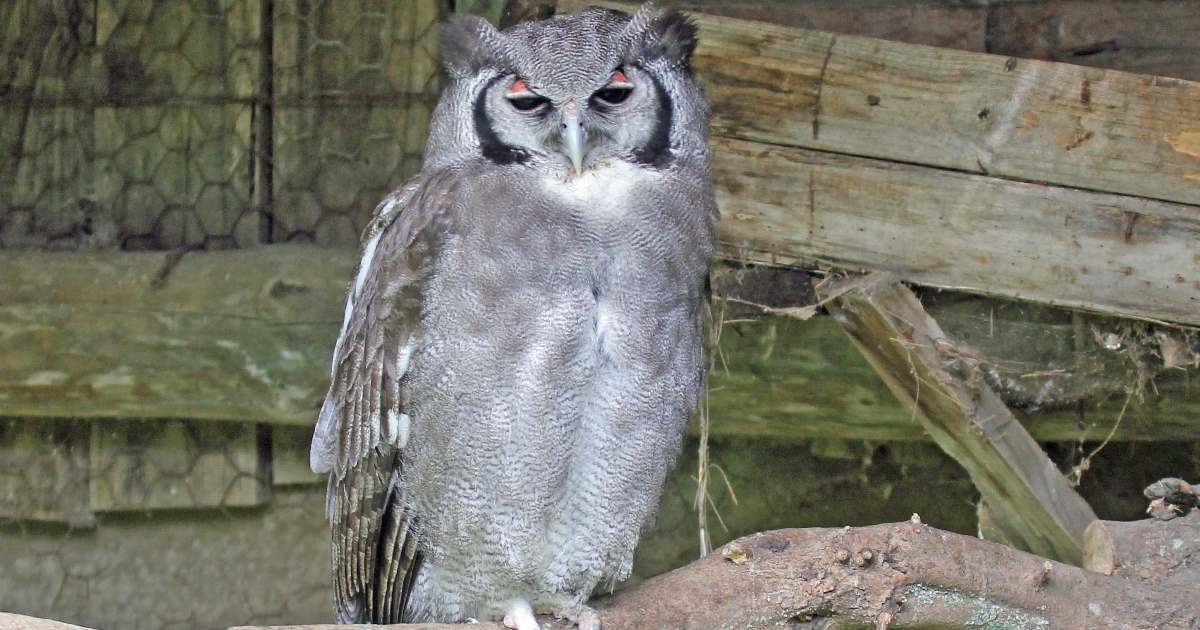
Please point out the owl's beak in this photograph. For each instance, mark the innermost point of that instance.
(572, 130)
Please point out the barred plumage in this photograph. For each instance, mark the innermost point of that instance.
(522, 343)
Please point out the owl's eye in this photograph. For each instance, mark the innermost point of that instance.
(613, 95)
(527, 103)
(618, 89)
(522, 99)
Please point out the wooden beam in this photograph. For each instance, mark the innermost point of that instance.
(1039, 509)
(1106, 253)
(246, 335)
(236, 335)
(944, 23)
(1143, 36)
(1029, 120)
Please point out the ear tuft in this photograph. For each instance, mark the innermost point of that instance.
(466, 44)
(668, 35)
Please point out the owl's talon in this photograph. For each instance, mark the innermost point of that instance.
(519, 616)
(583, 616)
(587, 619)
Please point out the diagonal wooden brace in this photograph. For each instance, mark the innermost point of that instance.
(1029, 499)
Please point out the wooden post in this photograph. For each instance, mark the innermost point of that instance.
(1030, 501)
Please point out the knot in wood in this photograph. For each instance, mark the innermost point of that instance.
(737, 554)
(1042, 575)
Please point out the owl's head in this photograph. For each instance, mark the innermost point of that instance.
(571, 92)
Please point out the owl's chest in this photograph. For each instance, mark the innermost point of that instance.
(541, 230)
(586, 254)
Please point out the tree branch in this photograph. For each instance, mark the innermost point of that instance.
(893, 576)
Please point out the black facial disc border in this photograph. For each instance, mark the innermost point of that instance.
(490, 145)
(657, 151)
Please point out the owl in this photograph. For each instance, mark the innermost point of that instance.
(523, 336)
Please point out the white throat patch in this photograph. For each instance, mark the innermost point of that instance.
(604, 189)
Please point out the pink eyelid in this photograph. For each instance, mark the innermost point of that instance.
(619, 80)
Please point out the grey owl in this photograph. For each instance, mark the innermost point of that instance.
(522, 343)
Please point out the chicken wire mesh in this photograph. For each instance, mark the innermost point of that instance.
(127, 124)
(190, 124)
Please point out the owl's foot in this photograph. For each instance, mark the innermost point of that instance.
(519, 616)
(585, 618)
(580, 615)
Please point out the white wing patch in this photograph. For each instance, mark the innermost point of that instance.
(403, 358)
(397, 428)
(364, 268)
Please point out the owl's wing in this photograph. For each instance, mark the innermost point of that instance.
(362, 425)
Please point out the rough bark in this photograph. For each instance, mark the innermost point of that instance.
(897, 576)
(902, 575)
(1158, 554)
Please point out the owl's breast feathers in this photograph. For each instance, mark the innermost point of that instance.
(479, 303)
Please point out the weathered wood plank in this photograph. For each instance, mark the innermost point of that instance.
(240, 335)
(1108, 253)
(245, 335)
(927, 372)
(961, 25)
(1143, 36)
(782, 379)
(1023, 119)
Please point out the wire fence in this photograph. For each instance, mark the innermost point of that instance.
(189, 124)
(207, 123)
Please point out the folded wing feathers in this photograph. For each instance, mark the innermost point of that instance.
(374, 552)
(359, 350)
(394, 562)
(361, 502)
